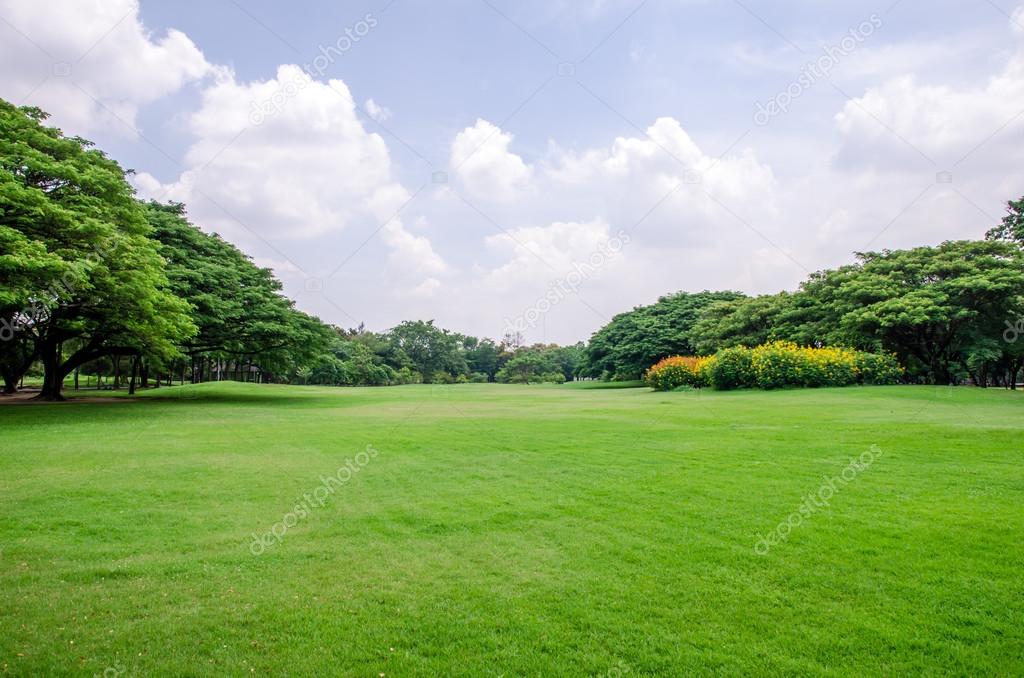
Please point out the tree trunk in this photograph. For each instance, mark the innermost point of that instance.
(13, 371)
(135, 373)
(53, 380)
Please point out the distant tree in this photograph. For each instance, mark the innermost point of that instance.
(635, 340)
(541, 362)
(512, 340)
(429, 348)
(482, 356)
(749, 321)
(566, 360)
(525, 367)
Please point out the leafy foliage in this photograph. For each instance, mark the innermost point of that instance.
(80, 253)
(237, 307)
(632, 341)
(776, 364)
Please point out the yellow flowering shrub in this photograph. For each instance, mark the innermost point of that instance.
(675, 371)
(775, 365)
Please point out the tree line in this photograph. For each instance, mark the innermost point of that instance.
(951, 314)
(94, 281)
(419, 351)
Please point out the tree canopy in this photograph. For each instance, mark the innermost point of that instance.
(635, 340)
(90, 276)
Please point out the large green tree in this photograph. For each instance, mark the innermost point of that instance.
(429, 348)
(26, 268)
(748, 321)
(933, 305)
(238, 308)
(79, 215)
(635, 340)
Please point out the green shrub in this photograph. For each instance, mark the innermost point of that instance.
(776, 364)
(408, 376)
(731, 369)
(875, 368)
(441, 377)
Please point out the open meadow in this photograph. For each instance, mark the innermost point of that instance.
(488, 530)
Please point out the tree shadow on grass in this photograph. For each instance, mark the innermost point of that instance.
(235, 393)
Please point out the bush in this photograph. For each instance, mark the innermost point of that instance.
(731, 369)
(874, 368)
(675, 371)
(775, 365)
(478, 378)
(408, 376)
(441, 377)
(553, 378)
(782, 363)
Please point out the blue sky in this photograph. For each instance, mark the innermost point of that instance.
(598, 153)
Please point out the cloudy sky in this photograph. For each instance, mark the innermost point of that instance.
(540, 164)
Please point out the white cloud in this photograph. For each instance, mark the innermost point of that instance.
(92, 65)
(1017, 20)
(481, 158)
(376, 111)
(287, 160)
(427, 288)
(676, 207)
(285, 157)
(905, 121)
(411, 254)
(663, 181)
(543, 252)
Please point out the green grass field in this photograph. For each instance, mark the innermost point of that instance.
(519, 531)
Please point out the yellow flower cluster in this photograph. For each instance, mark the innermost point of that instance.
(681, 370)
(783, 363)
(775, 365)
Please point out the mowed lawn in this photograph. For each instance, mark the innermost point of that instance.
(513, 530)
